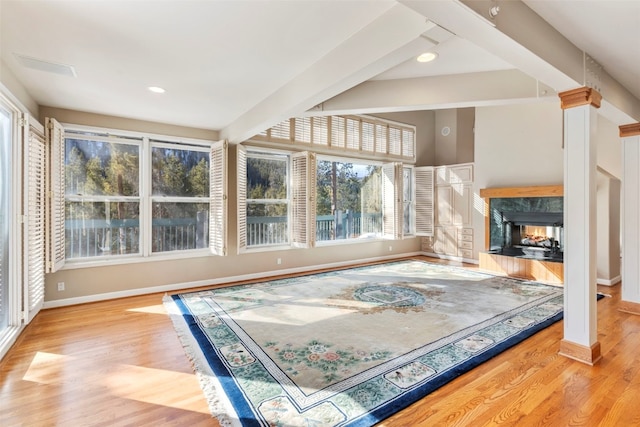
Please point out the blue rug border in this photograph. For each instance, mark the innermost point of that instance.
(248, 417)
(243, 410)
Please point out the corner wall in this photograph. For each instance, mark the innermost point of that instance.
(11, 82)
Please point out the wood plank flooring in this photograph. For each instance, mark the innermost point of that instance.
(119, 363)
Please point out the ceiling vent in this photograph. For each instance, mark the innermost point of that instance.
(49, 67)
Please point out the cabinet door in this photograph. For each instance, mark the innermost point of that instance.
(439, 240)
(460, 174)
(462, 203)
(444, 203)
(451, 241)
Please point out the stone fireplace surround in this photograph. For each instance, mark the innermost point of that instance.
(532, 265)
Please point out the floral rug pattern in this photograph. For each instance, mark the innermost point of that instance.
(351, 347)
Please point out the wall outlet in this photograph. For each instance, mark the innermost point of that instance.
(279, 261)
(61, 286)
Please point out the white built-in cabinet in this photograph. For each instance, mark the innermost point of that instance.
(453, 230)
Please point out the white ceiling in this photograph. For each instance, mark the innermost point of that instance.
(608, 30)
(224, 62)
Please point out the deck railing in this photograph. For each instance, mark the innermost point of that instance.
(90, 238)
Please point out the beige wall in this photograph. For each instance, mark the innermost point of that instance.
(608, 233)
(88, 283)
(458, 145)
(9, 80)
(609, 147)
(120, 123)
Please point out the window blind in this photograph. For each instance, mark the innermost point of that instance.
(303, 224)
(242, 197)
(55, 192)
(424, 200)
(35, 210)
(218, 198)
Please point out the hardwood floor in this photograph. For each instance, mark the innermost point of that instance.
(119, 363)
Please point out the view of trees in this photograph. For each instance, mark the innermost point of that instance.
(98, 172)
(266, 180)
(351, 193)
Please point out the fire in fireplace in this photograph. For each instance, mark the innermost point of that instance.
(535, 234)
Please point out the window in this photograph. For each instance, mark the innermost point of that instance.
(348, 200)
(179, 198)
(129, 195)
(299, 199)
(267, 199)
(7, 292)
(102, 197)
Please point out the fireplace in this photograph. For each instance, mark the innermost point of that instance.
(526, 227)
(524, 232)
(537, 235)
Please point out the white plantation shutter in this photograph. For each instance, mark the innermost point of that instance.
(408, 143)
(242, 197)
(303, 224)
(282, 130)
(392, 203)
(55, 217)
(320, 131)
(395, 141)
(424, 200)
(338, 132)
(368, 137)
(34, 230)
(218, 198)
(303, 129)
(353, 134)
(381, 139)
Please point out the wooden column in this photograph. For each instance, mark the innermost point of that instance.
(580, 340)
(630, 135)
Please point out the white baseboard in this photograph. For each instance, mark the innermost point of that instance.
(609, 282)
(212, 282)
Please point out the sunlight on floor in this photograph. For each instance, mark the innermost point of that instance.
(152, 309)
(148, 385)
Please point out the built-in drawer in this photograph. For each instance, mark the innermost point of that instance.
(465, 245)
(466, 231)
(465, 253)
(465, 238)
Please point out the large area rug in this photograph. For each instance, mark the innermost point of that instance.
(351, 347)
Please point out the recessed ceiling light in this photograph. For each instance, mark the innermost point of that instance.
(427, 57)
(156, 89)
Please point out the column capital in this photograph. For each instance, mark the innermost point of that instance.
(629, 130)
(580, 96)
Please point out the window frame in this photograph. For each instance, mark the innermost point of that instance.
(146, 142)
(172, 199)
(243, 201)
(343, 159)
